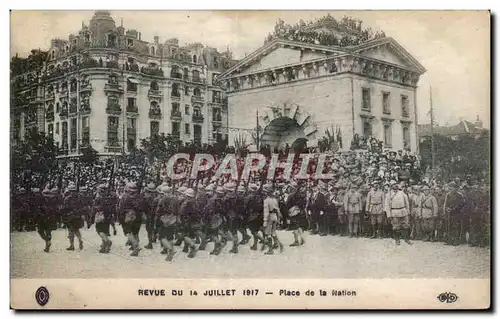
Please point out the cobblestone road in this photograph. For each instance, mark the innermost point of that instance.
(321, 257)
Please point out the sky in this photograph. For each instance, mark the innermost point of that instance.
(454, 46)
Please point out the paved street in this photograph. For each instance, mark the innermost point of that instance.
(321, 257)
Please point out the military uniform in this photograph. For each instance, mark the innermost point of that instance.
(454, 204)
(352, 207)
(416, 213)
(397, 207)
(429, 215)
(375, 209)
(150, 203)
(342, 217)
(103, 208)
(130, 209)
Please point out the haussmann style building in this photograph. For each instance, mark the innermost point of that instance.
(107, 87)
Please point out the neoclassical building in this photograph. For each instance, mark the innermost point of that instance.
(107, 87)
(299, 90)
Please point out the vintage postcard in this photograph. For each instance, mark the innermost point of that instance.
(250, 160)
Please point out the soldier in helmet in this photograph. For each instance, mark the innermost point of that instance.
(429, 213)
(46, 218)
(166, 211)
(352, 206)
(214, 216)
(271, 217)
(103, 209)
(191, 220)
(296, 205)
(454, 207)
(375, 208)
(232, 214)
(131, 208)
(242, 214)
(73, 216)
(150, 195)
(254, 206)
(179, 199)
(397, 208)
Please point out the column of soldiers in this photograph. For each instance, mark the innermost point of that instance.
(210, 213)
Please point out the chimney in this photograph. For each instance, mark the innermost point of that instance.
(156, 39)
(139, 36)
(478, 123)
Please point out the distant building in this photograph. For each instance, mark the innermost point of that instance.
(454, 132)
(109, 88)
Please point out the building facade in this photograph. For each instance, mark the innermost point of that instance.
(300, 90)
(108, 88)
(463, 128)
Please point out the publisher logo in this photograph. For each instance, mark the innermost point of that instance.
(447, 297)
(42, 296)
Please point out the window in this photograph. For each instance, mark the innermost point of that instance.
(51, 130)
(130, 42)
(216, 63)
(367, 128)
(130, 144)
(175, 90)
(175, 107)
(131, 103)
(113, 122)
(197, 92)
(152, 50)
(366, 100)
(406, 136)
(154, 86)
(196, 76)
(86, 138)
(85, 122)
(216, 97)
(386, 103)
(217, 115)
(186, 90)
(112, 79)
(214, 78)
(73, 134)
(176, 128)
(196, 111)
(73, 85)
(132, 85)
(195, 59)
(197, 133)
(154, 128)
(57, 128)
(387, 134)
(186, 109)
(187, 129)
(113, 131)
(58, 107)
(405, 112)
(131, 123)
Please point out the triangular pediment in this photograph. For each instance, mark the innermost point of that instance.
(279, 53)
(388, 50)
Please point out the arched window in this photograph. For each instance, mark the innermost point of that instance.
(73, 85)
(154, 86)
(186, 90)
(196, 75)
(152, 50)
(50, 108)
(197, 92)
(195, 59)
(186, 73)
(174, 73)
(113, 79)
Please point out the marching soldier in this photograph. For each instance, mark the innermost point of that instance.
(242, 215)
(103, 209)
(46, 215)
(73, 216)
(231, 210)
(296, 205)
(150, 200)
(192, 221)
(130, 209)
(352, 206)
(202, 198)
(167, 213)
(271, 217)
(254, 205)
(397, 207)
(375, 208)
(429, 213)
(214, 215)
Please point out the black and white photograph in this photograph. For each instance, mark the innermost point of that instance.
(150, 146)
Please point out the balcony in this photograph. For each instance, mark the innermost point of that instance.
(155, 94)
(132, 109)
(197, 98)
(73, 109)
(176, 115)
(63, 113)
(131, 131)
(176, 75)
(155, 114)
(217, 119)
(85, 86)
(113, 109)
(50, 96)
(198, 118)
(85, 110)
(49, 116)
(405, 113)
(216, 100)
(113, 87)
(176, 96)
(112, 65)
(152, 71)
